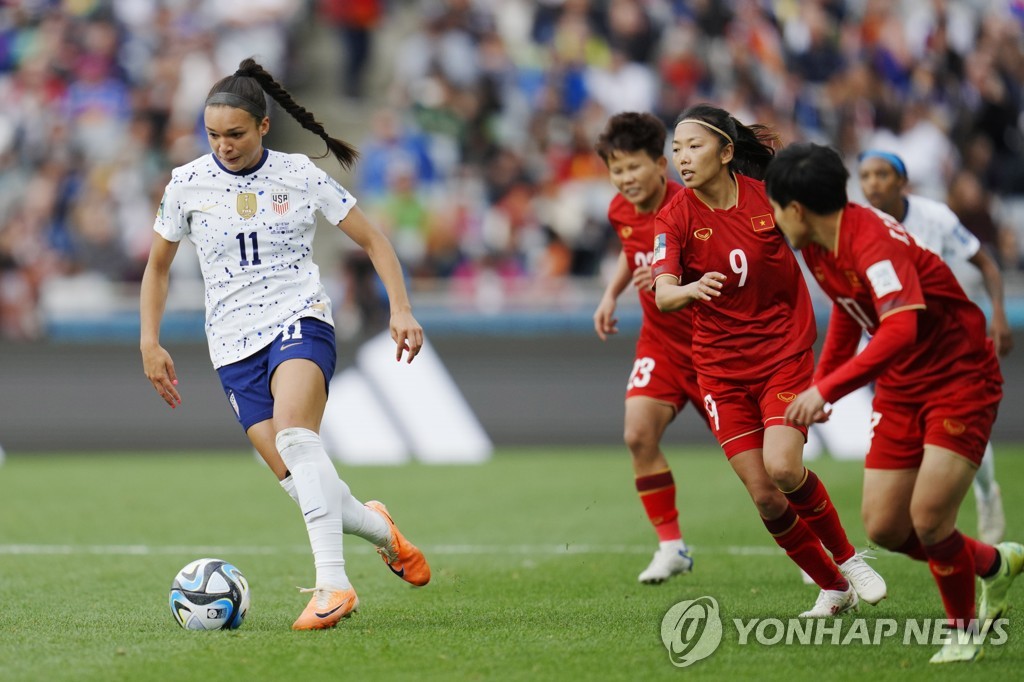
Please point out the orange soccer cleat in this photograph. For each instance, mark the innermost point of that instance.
(326, 608)
(402, 557)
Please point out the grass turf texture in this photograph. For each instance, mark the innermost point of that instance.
(534, 555)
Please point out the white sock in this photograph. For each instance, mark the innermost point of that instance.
(985, 477)
(319, 492)
(363, 521)
(356, 519)
(288, 483)
(672, 545)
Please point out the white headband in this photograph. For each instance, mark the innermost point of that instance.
(708, 125)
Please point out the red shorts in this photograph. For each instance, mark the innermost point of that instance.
(960, 419)
(663, 376)
(738, 412)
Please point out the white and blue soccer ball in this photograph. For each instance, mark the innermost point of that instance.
(209, 594)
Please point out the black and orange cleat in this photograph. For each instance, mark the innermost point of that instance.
(402, 557)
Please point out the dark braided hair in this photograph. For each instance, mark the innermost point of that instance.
(245, 90)
(753, 145)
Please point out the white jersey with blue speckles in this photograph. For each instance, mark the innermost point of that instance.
(253, 232)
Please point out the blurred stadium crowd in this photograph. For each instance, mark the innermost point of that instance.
(477, 144)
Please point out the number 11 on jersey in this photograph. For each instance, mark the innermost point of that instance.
(255, 249)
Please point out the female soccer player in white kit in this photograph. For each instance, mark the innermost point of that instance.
(251, 214)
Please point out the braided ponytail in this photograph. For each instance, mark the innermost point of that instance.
(245, 89)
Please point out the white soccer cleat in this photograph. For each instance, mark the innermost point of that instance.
(833, 603)
(667, 562)
(806, 577)
(955, 652)
(991, 519)
(870, 586)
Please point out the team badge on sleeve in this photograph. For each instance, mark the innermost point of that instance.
(883, 278)
(342, 192)
(953, 427)
(760, 223)
(279, 202)
(660, 248)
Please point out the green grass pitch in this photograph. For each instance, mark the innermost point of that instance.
(534, 556)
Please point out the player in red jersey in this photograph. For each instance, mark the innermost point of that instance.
(663, 379)
(883, 179)
(937, 381)
(753, 329)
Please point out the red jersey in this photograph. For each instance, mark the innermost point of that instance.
(636, 232)
(764, 314)
(878, 269)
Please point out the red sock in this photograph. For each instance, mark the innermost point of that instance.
(803, 547)
(912, 548)
(812, 503)
(658, 494)
(984, 556)
(952, 566)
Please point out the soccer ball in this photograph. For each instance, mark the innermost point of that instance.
(209, 594)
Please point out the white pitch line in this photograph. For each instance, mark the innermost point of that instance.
(447, 550)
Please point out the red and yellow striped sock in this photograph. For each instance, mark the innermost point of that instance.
(952, 564)
(913, 548)
(984, 555)
(812, 503)
(658, 495)
(803, 547)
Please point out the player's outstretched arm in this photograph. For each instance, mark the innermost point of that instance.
(405, 330)
(156, 362)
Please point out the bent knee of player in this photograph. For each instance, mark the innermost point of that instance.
(302, 414)
(932, 523)
(786, 475)
(641, 440)
(770, 503)
(885, 533)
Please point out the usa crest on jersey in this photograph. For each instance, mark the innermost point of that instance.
(279, 202)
